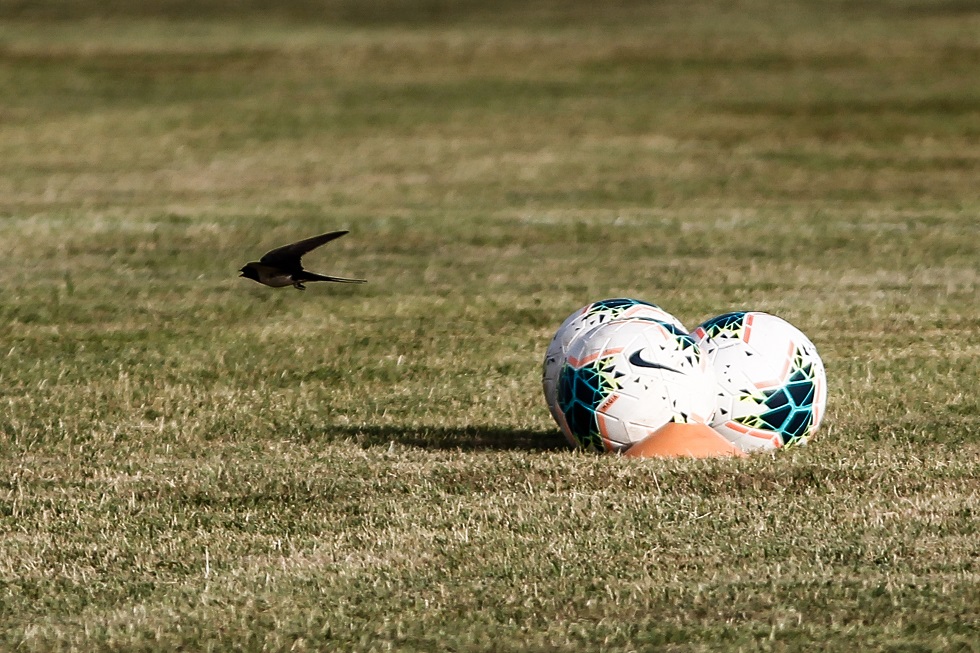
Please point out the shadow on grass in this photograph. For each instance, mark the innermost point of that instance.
(467, 438)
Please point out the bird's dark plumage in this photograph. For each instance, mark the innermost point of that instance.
(283, 265)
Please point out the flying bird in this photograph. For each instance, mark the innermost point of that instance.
(283, 267)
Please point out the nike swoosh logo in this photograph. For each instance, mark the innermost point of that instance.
(639, 361)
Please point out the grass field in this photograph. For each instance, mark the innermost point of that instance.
(193, 461)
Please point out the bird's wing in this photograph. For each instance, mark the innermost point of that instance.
(289, 255)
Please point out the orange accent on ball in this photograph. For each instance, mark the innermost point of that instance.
(605, 353)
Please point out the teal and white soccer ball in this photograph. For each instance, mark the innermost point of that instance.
(622, 380)
(771, 385)
(584, 319)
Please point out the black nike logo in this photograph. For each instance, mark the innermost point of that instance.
(639, 361)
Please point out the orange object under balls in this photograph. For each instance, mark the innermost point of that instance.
(674, 440)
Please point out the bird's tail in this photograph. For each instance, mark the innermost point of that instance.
(313, 276)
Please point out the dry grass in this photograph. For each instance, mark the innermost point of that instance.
(190, 460)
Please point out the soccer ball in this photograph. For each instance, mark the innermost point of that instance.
(770, 382)
(585, 318)
(624, 379)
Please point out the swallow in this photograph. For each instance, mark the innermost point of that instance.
(283, 267)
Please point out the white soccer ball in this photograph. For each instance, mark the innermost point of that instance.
(584, 319)
(771, 385)
(624, 379)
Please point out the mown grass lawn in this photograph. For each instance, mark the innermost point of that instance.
(191, 460)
